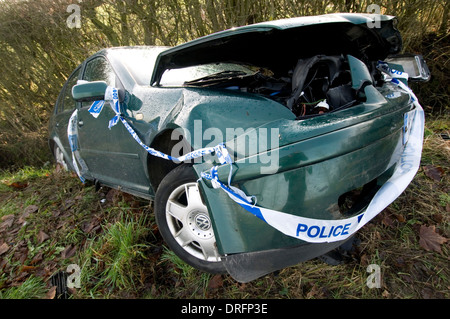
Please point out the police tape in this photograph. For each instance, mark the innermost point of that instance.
(72, 135)
(112, 96)
(321, 231)
(304, 228)
(392, 73)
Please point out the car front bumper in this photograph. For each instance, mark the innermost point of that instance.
(314, 172)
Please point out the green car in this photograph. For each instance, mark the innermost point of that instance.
(261, 146)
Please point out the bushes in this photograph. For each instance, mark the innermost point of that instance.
(38, 50)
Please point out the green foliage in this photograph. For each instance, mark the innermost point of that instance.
(38, 50)
(123, 244)
(31, 288)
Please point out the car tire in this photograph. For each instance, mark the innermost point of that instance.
(59, 159)
(183, 220)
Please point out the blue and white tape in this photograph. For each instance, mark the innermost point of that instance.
(321, 231)
(392, 73)
(306, 229)
(112, 96)
(72, 134)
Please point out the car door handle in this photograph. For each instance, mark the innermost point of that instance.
(80, 123)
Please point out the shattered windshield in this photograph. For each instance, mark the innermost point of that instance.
(200, 75)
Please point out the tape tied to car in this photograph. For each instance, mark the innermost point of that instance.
(390, 72)
(72, 135)
(112, 96)
(307, 229)
(321, 231)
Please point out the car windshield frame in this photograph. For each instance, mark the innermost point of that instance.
(137, 61)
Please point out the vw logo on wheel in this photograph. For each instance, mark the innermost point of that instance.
(202, 221)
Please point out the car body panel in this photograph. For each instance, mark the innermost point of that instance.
(290, 39)
(314, 171)
(319, 159)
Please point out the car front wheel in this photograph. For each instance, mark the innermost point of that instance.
(184, 222)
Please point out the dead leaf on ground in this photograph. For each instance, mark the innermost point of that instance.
(18, 185)
(27, 268)
(51, 293)
(36, 259)
(433, 172)
(30, 209)
(6, 217)
(68, 252)
(215, 282)
(430, 240)
(41, 237)
(7, 221)
(68, 203)
(387, 219)
(112, 195)
(400, 218)
(3, 248)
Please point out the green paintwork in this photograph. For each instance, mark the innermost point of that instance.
(314, 171)
(281, 40)
(320, 158)
(91, 91)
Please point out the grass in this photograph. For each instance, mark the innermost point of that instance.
(55, 221)
(31, 288)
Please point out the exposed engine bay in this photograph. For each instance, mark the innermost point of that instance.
(315, 85)
(306, 68)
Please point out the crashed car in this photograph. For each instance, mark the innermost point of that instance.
(261, 146)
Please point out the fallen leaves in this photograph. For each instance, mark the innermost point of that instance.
(433, 172)
(4, 248)
(29, 210)
(430, 240)
(26, 268)
(51, 293)
(17, 185)
(68, 252)
(7, 221)
(216, 282)
(41, 237)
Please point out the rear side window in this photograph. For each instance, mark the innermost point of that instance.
(67, 103)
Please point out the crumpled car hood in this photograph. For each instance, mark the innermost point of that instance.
(278, 44)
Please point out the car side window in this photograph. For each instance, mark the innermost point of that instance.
(99, 69)
(67, 102)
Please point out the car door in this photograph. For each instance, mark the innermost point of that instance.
(112, 155)
(93, 133)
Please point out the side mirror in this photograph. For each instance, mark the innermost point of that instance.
(89, 91)
(414, 65)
